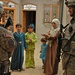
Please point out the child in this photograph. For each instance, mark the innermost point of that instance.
(18, 54)
(31, 39)
(43, 51)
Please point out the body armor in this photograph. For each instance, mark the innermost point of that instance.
(69, 31)
(69, 52)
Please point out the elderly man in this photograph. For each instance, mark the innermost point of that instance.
(68, 59)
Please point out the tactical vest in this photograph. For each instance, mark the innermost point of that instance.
(70, 29)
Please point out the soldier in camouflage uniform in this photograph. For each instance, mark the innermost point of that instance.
(7, 46)
(68, 58)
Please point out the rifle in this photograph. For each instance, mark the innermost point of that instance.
(60, 35)
(61, 26)
(61, 16)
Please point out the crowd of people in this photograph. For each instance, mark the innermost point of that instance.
(50, 47)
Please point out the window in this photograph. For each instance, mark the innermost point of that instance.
(7, 4)
(29, 7)
(51, 11)
(1, 2)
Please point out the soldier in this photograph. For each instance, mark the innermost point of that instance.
(68, 58)
(7, 45)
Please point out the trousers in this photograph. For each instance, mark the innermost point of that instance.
(29, 61)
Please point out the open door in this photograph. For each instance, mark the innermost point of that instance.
(28, 18)
(24, 22)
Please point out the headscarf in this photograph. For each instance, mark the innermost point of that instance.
(57, 22)
(54, 31)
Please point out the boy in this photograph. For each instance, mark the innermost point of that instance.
(31, 39)
(18, 54)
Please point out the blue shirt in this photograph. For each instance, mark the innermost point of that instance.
(43, 53)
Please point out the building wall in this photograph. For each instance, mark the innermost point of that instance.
(18, 10)
(40, 27)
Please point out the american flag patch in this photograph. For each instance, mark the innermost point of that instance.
(8, 36)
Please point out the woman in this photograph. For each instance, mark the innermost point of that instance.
(51, 60)
(18, 54)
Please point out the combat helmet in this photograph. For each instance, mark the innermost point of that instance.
(70, 3)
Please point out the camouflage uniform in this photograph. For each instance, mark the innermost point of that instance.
(68, 58)
(7, 45)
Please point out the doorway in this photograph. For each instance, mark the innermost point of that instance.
(28, 18)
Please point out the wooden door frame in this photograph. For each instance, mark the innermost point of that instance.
(8, 8)
(23, 23)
